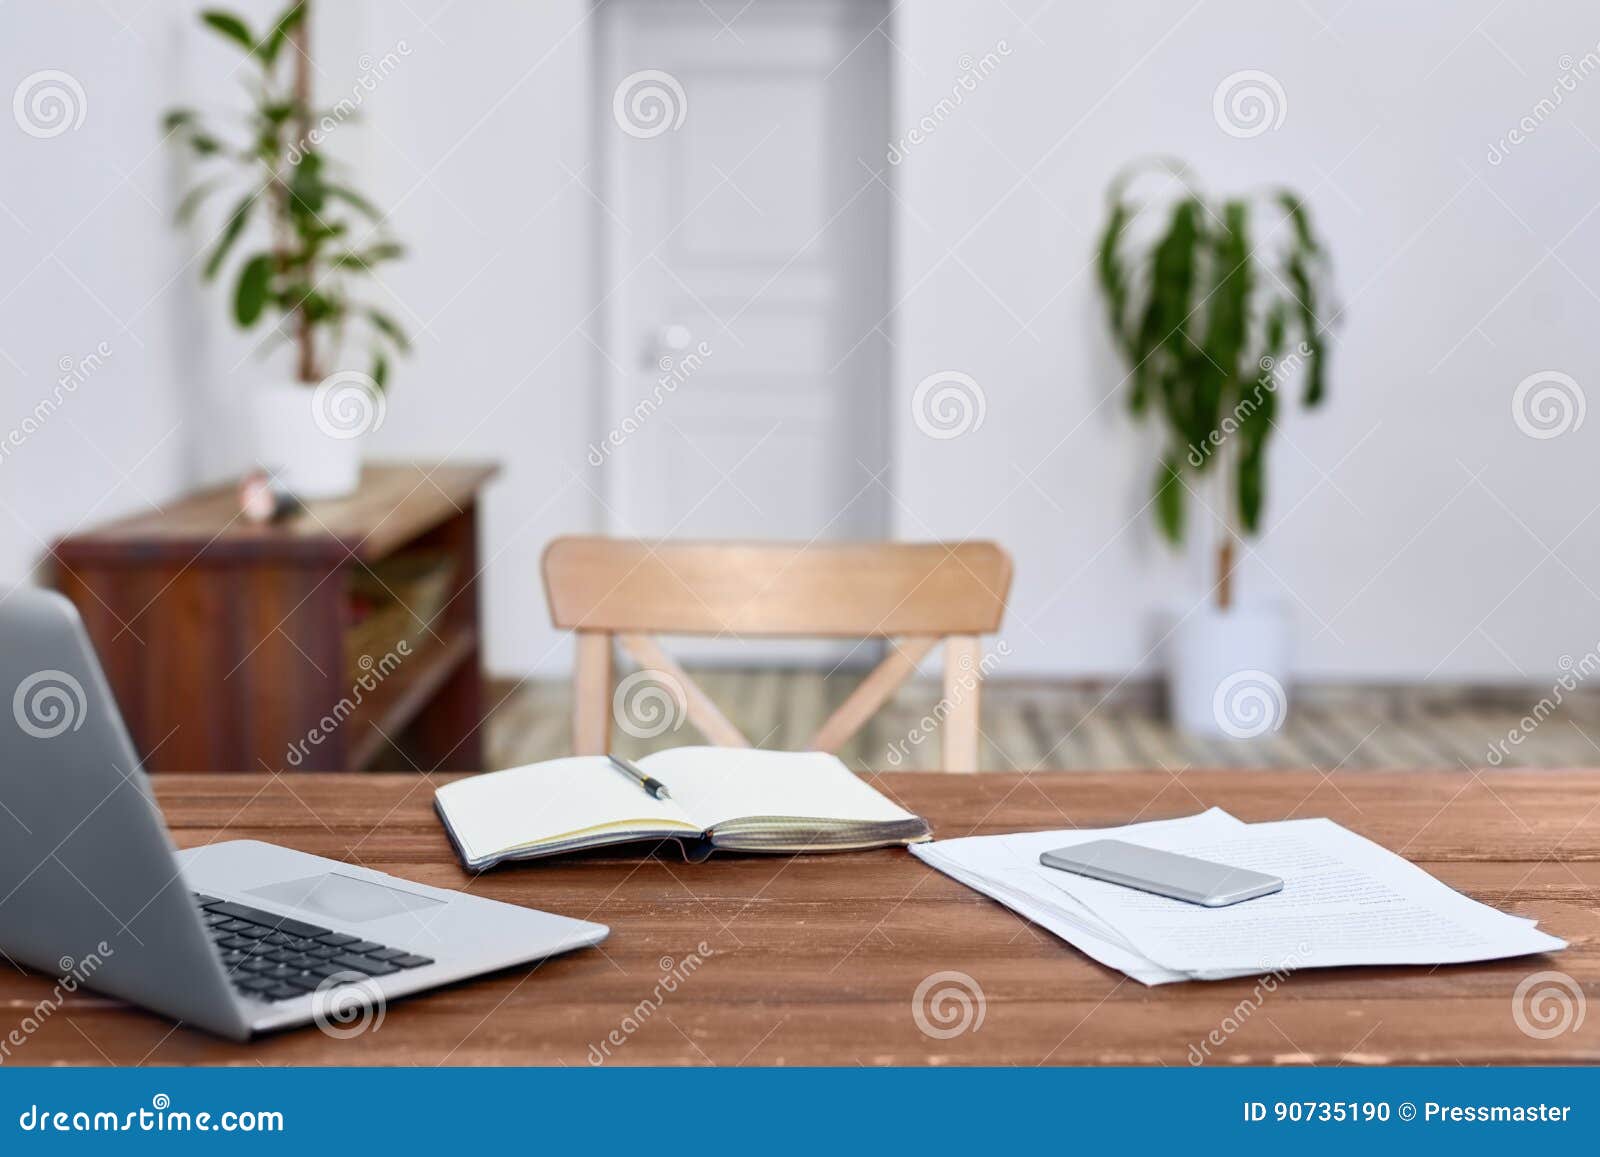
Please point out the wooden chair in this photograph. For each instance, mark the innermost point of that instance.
(914, 594)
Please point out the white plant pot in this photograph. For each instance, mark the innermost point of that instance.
(1229, 673)
(308, 454)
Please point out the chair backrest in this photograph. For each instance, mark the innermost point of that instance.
(913, 594)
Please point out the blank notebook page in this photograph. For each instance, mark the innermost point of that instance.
(716, 784)
(508, 809)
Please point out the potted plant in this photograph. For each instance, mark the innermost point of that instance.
(316, 237)
(1214, 310)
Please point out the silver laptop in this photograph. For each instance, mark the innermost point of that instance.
(237, 937)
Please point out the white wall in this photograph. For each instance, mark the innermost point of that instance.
(94, 276)
(1409, 518)
(479, 144)
(1419, 554)
(86, 256)
(473, 133)
(476, 136)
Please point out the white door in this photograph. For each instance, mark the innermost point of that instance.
(745, 226)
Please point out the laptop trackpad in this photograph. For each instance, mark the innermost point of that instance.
(344, 898)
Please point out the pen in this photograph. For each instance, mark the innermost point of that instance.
(654, 786)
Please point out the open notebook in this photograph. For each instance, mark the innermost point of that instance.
(734, 799)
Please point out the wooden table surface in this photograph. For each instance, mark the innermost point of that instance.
(816, 959)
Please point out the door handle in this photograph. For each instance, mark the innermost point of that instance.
(669, 341)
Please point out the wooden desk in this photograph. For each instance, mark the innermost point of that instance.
(814, 960)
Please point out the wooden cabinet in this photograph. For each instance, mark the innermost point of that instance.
(343, 637)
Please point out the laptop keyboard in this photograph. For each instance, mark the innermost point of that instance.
(272, 957)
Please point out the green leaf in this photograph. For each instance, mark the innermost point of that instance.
(353, 199)
(1255, 409)
(273, 42)
(230, 233)
(387, 326)
(1221, 372)
(1163, 339)
(367, 258)
(178, 118)
(1297, 272)
(1169, 500)
(380, 370)
(1251, 487)
(318, 231)
(229, 26)
(1276, 329)
(1295, 208)
(1113, 277)
(310, 302)
(305, 186)
(320, 307)
(1303, 269)
(276, 112)
(1316, 375)
(292, 293)
(193, 199)
(250, 298)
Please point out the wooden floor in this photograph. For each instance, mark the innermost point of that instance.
(1037, 724)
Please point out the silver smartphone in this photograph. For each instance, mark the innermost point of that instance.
(1164, 873)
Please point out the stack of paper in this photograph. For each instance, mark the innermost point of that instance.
(1345, 900)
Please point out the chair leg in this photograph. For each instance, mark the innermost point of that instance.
(963, 682)
(591, 694)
